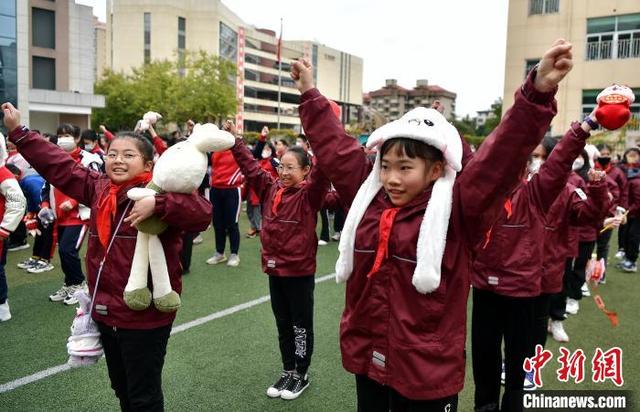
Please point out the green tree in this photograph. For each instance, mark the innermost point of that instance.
(493, 120)
(204, 90)
(466, 125)
(207, 90)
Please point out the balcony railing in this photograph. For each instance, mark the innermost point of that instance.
(599, 50)
(603, 50)
(628, 48)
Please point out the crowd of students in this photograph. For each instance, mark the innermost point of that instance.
(517, 220)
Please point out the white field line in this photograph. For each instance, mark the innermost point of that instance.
(9, 386)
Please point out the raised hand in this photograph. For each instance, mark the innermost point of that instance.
(11, 117)
(596, 175)
(302, 75)
(230, 127)
(554, 66)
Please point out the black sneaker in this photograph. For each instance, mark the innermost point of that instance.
(295, 388)
(275, 390)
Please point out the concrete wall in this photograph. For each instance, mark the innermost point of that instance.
(529, 36)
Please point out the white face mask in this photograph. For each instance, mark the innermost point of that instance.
(534, 165)
(67, 143)
(577, 164)
(266, 154)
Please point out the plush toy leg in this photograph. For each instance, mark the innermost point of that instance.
(164, 298)
(136, 294)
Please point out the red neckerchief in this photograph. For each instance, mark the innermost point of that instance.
(108, 204)
(508, 207)
(276, 201)
(384, 232)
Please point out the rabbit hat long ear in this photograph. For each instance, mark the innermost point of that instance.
(430, 127)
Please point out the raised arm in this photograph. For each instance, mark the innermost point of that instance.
(545, 186)
(258, 178)
(260, 144)
(497, 165)
(317, 187)
(52, 163)
(589, 208)
(339, 155)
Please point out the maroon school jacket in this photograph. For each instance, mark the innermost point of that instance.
(632, 192)
(615, 173)
(509, 262)
(413, 342)
(571, 208)
(191, 213)
(289, 240)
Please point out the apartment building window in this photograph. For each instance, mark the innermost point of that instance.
(228, 43)
(589, 103)
(147, 38)
(182, 35)
(44, 73)
(528, 65)
(43, 28)
(251, 75)
(613, 37)
(543, 6)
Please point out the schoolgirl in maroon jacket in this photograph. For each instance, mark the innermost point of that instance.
(573, 207)
(615, 174)
(631, 202)
(407, 244)
(290, 207)
(507, 272)
(134, 342)
(582, 241)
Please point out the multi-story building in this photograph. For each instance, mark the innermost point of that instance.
(606, 48)
(392, 101)
(8, 53)
(100, 46)
(139, 31)
(47, 60)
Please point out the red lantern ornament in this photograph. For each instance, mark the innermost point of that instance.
(614, 103)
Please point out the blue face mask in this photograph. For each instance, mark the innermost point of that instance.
(88, 147)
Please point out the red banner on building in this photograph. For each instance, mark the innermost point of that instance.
(240, 82)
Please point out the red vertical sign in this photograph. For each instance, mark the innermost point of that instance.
(240, 82)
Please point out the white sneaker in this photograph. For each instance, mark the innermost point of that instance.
(336, 236)
(557, 331)
(40, 266)
(620, 254)
(197, 240)
(234, 260)
(322, 243)
(25, 264)
(70, 299)
(60, 295)
(5, 313)
(572, 306)
(585, 290)
(217, 258)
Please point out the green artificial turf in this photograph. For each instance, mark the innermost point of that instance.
(227, 364)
